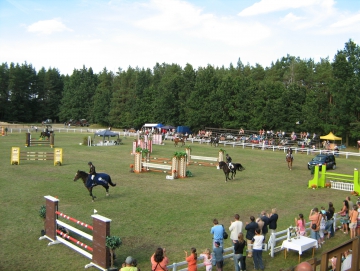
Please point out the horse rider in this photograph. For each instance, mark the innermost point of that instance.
(228, 161)
(289, 153)
(92, 172)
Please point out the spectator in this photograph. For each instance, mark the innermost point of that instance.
(159, 261)
(192, 259)
(258, 241)
(322, 225)
(351, 204)
(315, 218)
(346, 264)
(6, 131)
(218, 233)
(235, 227)
(239, 257)
(218, 256)
(128, 265)
(304, 266)
(250, 227)
(273, 218)
(260, 223)
(353, 221)
(329, 227)
(207, 259)
(344, 219)
(300, 224)
(266, 220)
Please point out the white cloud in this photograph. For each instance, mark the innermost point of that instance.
(48, 27)
(351, 21)
(172, 15)
(291, 18)
(269, 6)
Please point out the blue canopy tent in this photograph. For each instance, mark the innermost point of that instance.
(106, 134)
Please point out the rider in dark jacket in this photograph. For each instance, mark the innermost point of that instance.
(228, 161)
(92, 172)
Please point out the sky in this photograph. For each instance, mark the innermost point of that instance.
(116, 34)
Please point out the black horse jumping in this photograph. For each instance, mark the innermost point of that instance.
(214, 141)
(45, 134)
(102, 179)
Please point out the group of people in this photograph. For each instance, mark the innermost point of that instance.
(248, 238)
(253, 239)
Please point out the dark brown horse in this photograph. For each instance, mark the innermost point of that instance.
(289, 159)
(224, 166)
(177, 140)
(102, 179)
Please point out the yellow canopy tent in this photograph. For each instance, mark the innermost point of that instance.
(330, 136)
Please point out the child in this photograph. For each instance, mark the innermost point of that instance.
(322, 225)
(192, 266)
(353, 221)
(257, 242)
(218, 255)
(207, 259)
(300, 224)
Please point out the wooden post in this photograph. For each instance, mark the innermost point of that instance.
(101, 229)
(51, 216)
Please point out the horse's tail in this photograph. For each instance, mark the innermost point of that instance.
(110, 182)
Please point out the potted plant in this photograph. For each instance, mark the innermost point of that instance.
(42, 214)
(113, 242)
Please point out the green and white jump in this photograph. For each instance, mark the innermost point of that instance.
(338, 181)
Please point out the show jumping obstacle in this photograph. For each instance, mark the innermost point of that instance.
(177, 168)
(43, 142)
(203, 160)
(55, 156)
(100, 256)
(337, 181)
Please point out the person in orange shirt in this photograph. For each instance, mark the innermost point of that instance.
(353, 221)
(159, 261)
(192, 259)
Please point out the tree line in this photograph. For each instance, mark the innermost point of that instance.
(292, 94)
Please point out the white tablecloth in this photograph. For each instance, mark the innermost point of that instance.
(299, 245)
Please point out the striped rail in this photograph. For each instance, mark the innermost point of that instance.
(100, 256)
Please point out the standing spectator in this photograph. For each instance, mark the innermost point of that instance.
(353, 221)
(314, 218)
(128, 265)
(250, 227)
(322, 225)
(218, 233)
(329, 227)
(260, 223)
(266, 220)
(239, 257)
(300, 224)
(344, 219)
(207, 259)
(218, 256)
(273, 218)
(258, 241)
(159, 261)
(235, 228)
(6, 130)
(351, 204)
(192, 259)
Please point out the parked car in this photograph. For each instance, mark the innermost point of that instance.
(306, 142)
(323, 159)
(48, 121)
(229, 136)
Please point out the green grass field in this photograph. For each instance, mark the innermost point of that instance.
(147, 210)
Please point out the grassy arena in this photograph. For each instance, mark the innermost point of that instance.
(147, 210)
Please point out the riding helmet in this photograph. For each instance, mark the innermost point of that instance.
(89, 163)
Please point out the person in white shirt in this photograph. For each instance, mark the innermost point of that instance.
(235, 228)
